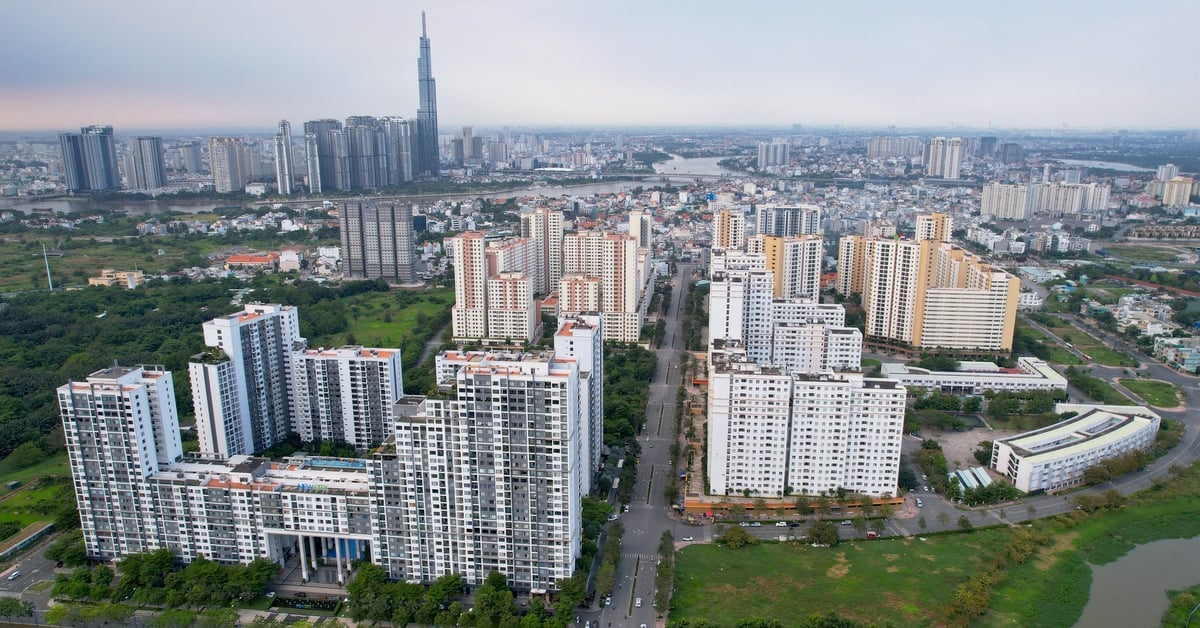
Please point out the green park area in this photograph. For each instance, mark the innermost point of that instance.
(1156, 392)
(1004, 576)
(1030, 340)
(1098, 351)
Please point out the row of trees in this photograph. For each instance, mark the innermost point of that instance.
(606, 575)
(828, 620)
(628, 369)
(371, 597)
(973, 597)
(152, 579)
(664, 578)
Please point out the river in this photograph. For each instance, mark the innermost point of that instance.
(682, 166)
(1106, 165)
(1131, 592)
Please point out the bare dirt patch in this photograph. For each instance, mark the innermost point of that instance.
(891, 557)
(959, 447)
(840, 569)
(1047, 556)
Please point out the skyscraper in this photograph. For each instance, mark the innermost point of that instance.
(90, 160)
(318, 153)
(377, 242)
(427, 124)
(944, 157)
(545, 228)
(227, 160)
(284, 173)
(148, 171)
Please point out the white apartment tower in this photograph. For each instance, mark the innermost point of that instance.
(545, 228)
(486, 479)
(788, 220)
(121, 427)
(512, 314)
(345, 395)
(944, 157)
(240, 385)
(284, 172)
(935, 226)
(1007, 202)
(640, 225)
(773, 433)
(227, 160)
(580, 338)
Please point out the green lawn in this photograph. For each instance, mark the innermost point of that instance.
(26, 505)
(58, 465)
(909, 581)
(1156, 393)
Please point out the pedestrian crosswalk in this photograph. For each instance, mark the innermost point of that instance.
(632, 556)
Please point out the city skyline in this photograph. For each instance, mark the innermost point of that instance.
(539, 64)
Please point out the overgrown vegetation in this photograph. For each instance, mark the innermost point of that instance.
(1095, 387)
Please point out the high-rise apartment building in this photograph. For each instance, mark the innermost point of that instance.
(512, 313)
(377, 242)
(121, 428)
(90, 160)
(936, 226)
(469, 314)
(1007, 202)
(614, 258)
(773, 154)
(1166, 172)
(227, 160)
(944, 157)
(345, 395)
(641, 224)
(145, 165)
(319, 154)
(788, 220)
(240, 386)
(285, 174)
(729, 228)
(580, 338)
(513, 434)
(1177, 191)
(366, 153)
(1010, 153)
(929, 294)
(884, 147)
(544, 227)
(795, 262)
(429, 160)
(774, 432)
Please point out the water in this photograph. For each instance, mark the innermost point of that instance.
(1107, 165)
(692, 166)
(1131, 592)
(132, 208)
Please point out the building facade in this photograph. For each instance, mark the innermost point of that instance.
(90, 160)
(377, 242)
(345, 395)
(229, 165)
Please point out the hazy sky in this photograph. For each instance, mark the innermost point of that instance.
(158, 64)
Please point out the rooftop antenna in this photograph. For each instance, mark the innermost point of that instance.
(46, 258)
(423, 24)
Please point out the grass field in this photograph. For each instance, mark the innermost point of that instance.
(908, 581)
(377, 321)
(1099, 352)
(22, 506)
(1156, 392)
(58, 465)
(1143, 253)
(1050, 350)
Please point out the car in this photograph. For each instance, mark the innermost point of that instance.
(643, 625)
(924, 477)
(608, 600)
(689, 538)
(744, 524)
(925, 488)
(920, 504)
(270, 594)
(793, 524)
(638, 602)
(872, 535)
(626, 508)
(847, 522)
(302, 594)
(756, 525)
(14, 575)
(613, 517)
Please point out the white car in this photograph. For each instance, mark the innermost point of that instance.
(688, 538)
(638, 602)
(780, 524)
(613, 517)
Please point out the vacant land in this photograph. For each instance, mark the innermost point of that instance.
(1034, 341)
(386, 319)
(1144, 253)
(1098, 351)
(909, 581)
(1156, 392)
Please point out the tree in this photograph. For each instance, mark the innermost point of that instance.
(922, 523)
(877, 525)
(736, 537)
(760, 507)
(971, 404)
(494, 600)
(964, 523)
(943, 517)
(12, 607)
(606, 577)
(823, 533)
(860, 524)
(867, 506)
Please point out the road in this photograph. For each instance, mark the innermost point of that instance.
(648, 514)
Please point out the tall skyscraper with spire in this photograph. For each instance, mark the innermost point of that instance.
(284, 174)
(427, 125)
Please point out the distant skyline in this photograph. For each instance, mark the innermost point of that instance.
(141, 64)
